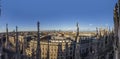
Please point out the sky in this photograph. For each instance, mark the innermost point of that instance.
(56, 14)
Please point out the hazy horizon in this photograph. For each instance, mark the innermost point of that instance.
(55, 15)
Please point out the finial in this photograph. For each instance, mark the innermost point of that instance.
(38, 22)
(116, 5)
(109, 29)
(6, 25)
(77, 24)
(16, 28)
(97, 30)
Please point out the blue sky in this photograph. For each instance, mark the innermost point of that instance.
(57, 14)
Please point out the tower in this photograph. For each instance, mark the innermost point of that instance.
(7, 36)
(116, 31)
(7, 39)
(116, 20)
(76, 37)
(17, 45)
(77, 34)
(38, 50)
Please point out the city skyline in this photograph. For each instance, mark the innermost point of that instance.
(55, 15)
(60, 29)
